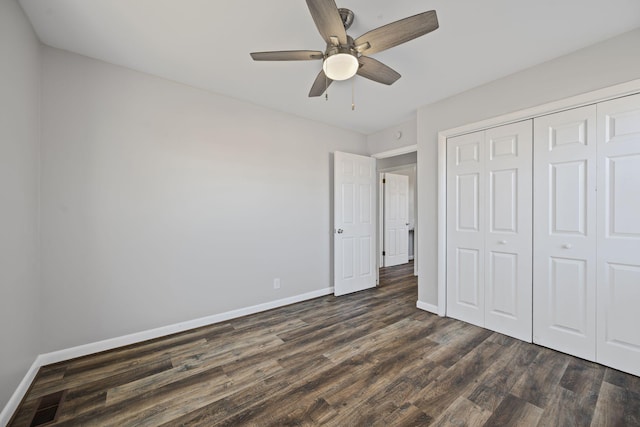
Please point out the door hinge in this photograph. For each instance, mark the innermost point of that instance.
(384, 253)
(384, 180)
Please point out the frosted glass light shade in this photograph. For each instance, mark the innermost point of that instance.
(340, 66)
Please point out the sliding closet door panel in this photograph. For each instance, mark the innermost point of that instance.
(564, 274)
(465, 233)
(618, 338)
(508, 230)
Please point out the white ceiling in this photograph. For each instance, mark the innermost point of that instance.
(206, 44)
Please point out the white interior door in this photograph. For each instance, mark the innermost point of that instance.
(508, 230)
(354, 222)
(396, 219)
(618, 337)
(564, 289)
(465, 228)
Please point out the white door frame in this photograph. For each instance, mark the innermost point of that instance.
(617, 91)
(392, 153)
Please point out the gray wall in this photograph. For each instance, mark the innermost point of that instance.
(387, 139)
(162, 203)
(604, 64)
(19, 150)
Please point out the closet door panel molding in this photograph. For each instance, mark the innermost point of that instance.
(465, 229)
(508, 230)
(618, 339)
(564, 278)
(489, 229)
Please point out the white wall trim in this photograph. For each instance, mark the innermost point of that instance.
(399, 168)
(109, 344)
(396, 152)
(442, 224)
(427, 307)
(380, 223)
(18, 394)
(599, 95)
(112, 343)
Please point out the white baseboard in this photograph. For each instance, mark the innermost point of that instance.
(111, 343)
(18, 394)
(427, 307)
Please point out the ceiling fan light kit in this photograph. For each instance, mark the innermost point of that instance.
(340, 66)
(345, 57)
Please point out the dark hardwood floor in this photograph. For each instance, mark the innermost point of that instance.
(365, 359)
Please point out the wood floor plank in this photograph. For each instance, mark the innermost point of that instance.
(575, 397)
(565, 409)
(496, 382)
(192, 366)
(93, 395)
(218, 411)
(626, 381)
(514, 411)
(141, 407)
(140, 350)
(25, 413)
(365, 359)
(407, 415)
(76, 378)
(467, 340)
(616, 407)
(442, 392)
(543, 375)
(463, 412)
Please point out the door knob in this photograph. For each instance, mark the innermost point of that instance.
(567, 246)
(340, 231)
(502, 242)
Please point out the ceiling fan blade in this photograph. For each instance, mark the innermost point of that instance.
(321, 84)
(375, 70)
(327, 18)
(398, 32)
(287, 55)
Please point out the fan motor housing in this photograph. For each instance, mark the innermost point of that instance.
(348, 48)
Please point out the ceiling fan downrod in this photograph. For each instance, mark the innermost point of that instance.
(347, 17)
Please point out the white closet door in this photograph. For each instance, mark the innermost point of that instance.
(508, 230)
(465, 232)
(618, 342)
(564, 287)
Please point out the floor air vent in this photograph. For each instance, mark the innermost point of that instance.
(47, 411)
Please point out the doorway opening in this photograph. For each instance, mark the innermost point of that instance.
(397, 215)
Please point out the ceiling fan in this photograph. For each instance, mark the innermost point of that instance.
(345, 57)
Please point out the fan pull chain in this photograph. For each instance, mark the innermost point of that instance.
(326, 88)
(353, 94)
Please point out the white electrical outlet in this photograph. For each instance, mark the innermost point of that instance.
(276, 283)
